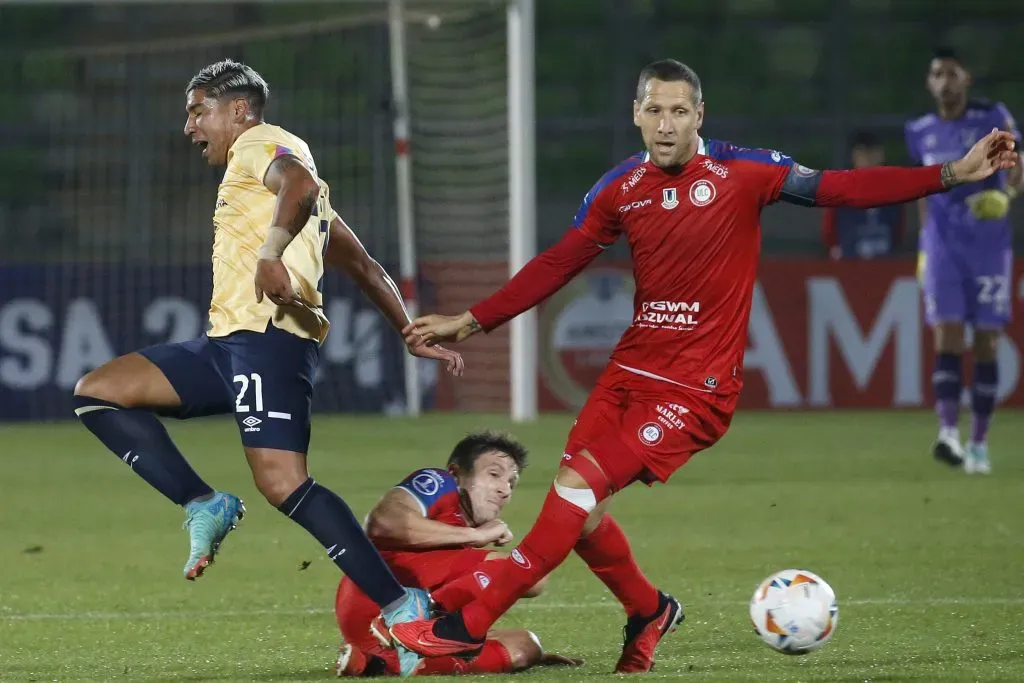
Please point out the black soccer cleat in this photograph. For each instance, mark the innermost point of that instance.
(948, 452)
(642, 635)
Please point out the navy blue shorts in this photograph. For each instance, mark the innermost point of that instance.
(265, 379)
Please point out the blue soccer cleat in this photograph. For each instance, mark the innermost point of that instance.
(415, 608)
(976, 459)
(208, 522)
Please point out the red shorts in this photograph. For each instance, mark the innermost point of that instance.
(355, 611)
(429, 569)
(642, 429)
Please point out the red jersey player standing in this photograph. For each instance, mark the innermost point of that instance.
(690, 210)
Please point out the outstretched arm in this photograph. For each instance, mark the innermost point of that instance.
(882, 185)
(345, 251)
(595, 227)
(541, 277)
(544, 275)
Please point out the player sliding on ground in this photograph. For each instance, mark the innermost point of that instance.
(274, 229)
(689, 208)
(432, 530)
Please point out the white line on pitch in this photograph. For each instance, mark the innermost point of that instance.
(528, 605)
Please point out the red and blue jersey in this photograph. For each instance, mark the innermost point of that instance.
(437, 493)
(694, 237)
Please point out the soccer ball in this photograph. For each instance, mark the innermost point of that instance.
(794, 611)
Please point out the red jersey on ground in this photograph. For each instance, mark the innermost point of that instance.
(437, 494)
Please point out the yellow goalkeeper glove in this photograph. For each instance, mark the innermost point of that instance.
(990, 205)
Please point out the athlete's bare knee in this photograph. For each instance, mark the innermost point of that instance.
(595, 517)
(986, 345)
(523, 647)
(582, 482)
(569, 477)
(276, 473)
(949, 337)
(131, 381)
(100, 383)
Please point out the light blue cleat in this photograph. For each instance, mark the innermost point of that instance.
(208, 522)
(415, 608)
(976, 459)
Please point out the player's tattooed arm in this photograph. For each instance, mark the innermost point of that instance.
(297, 192)
(948, 175)
(345, 251)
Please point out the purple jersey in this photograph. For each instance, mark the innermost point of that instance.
(932, 139)
(965, 262)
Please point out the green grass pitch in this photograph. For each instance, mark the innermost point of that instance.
(926, 561)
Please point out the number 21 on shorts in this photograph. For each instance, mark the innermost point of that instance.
(257, 392)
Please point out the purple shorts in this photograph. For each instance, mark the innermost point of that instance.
(969, 286)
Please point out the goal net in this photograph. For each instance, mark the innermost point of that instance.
(106, 209)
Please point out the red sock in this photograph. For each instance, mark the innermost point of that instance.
(546, 545)
(463, 590)
(606, 551)
(494, 658)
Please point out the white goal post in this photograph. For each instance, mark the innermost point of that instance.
(522, 226)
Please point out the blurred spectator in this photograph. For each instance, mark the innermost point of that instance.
(863, 233)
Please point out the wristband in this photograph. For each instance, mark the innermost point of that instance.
(273, 247)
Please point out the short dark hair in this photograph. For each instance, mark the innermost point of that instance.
(947, 52)
(669, 70)
(228, 77)
(864, 138)
(466, 452)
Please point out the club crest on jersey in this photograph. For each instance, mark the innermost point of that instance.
(669, 200)
(482, 579)
(520, 559)
(702, 193)
(803, 171)
(428, 483)
(650, 434)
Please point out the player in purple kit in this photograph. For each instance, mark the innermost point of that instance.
(965, 255)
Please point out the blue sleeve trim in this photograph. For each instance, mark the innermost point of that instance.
(608, 178)
(801, 186)
(428, 486)
(725, 151)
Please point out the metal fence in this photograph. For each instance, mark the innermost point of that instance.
(89, 113)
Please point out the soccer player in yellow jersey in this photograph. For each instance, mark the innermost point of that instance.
(274, 230)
